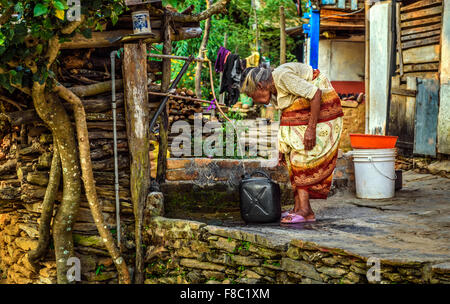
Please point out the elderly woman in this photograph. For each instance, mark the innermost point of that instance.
(310, 128)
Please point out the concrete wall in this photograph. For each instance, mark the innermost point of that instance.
(380, 61)
(341, 60)
(443, 131)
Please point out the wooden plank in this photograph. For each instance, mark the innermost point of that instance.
(420, 4)
(427, 75)
(421, 35)
(410, 109)
(427, 107)
(429, 53)
(421, 22)
(403, 92)
(398, 123)
(421, 67)
(421, 42)
(422, 29)
(427, 12)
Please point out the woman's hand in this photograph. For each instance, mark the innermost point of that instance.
(310, 134)
(310, 138)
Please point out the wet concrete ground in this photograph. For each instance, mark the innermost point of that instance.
(414, 226)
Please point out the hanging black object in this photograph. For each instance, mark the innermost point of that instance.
(260, 199)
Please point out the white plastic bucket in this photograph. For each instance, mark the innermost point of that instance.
(374, 173)
(141, 22)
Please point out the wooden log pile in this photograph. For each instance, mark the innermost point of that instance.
(26, 149)
(351, 100)
(183, 105)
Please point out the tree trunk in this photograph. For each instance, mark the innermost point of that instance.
(54, 115)
(137, 122)
(202, 50)
(89, 183)
(47, 207)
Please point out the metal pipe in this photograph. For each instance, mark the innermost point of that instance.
(116, 167)
(174, 84)
(177, 57)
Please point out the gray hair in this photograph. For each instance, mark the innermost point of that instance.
(254, 77)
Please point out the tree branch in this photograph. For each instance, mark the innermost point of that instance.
(217, 8)
(89, 183)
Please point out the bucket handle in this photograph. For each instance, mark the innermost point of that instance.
(373, 164)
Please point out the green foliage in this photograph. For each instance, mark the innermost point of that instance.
(238, 24)
(24, 38)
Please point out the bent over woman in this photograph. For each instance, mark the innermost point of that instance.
(310, 128)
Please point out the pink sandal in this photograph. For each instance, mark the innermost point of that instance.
(295, 219)
(286, 213)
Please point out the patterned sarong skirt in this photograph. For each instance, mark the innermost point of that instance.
(312, 170)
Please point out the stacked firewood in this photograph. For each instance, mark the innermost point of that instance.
(351, 100)
(184, 106)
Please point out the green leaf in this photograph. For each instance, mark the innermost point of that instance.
(40, 9)
(59, 5)
(87, 32)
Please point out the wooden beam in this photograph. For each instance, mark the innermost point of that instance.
(403, 92)
(421, 22)
(423, 13)
(137, 122)
(422, 29)
(421, 42)
(421, 35)
(111, 38)
(419, 5)
(421, 67)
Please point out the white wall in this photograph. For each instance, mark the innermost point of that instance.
(342, 60)
(380, 60)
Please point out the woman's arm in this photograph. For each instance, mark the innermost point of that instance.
(310, 134)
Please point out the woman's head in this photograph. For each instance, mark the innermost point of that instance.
(257, 83)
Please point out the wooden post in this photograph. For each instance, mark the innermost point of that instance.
(202, 50)
(137, 124)
(222, 96)
(367, 65)
(282, 36)
(164, 117)
(399, 42)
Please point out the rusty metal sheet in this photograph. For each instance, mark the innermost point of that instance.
(427, 108)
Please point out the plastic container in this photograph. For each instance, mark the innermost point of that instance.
(366, 141)
(374, 173)
(141, 22)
